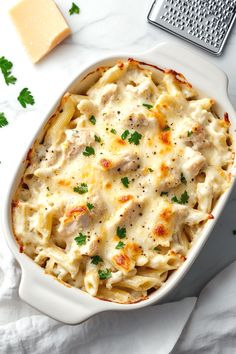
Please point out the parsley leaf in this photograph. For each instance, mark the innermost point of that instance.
(166, 128)
(124, 134)
(81, 189)
(183, 179)
(121, 232)
(183, 198)
(104, 274)
(92, 119)
(90, 206)
(96, 259)
(120, 245)
(156, 248)
(97, 138)
(3, 120)
(25, 97)
(135, 137)
(89, 150)
(125, 181)
(74, 9)
(189, 133)
(113, 131)
(164, 193)
(81, 239)
(148, 106)
(150, 169)
(6, 66)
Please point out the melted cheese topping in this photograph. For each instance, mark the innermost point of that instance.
(122, 182)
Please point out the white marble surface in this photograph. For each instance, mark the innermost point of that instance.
(103, 27)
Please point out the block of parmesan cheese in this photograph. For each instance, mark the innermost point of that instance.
(41, 26)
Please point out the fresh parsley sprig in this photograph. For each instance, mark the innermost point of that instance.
(3, 120)
(184, 198)
(104, 274)
(81, 239)
(25, 97)
(74, 9)
(121, 232)
(6, 66)
(96, 259)
(81, 189)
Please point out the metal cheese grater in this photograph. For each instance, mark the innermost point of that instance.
(205, 23)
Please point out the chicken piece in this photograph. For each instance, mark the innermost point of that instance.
(197, 137)
(121, 163)
(76, 141)
(168, 176)
(194, 161)
(107, 92)
(87, 107)
(139, 119)
(91, 247)
(71, 225)
(125, 215)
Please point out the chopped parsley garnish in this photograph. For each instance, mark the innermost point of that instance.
(135, 137)
(97, 138)
(156, 248)
(234, 232)
(81, 239)
(89, 150)
(92, 119)
(74, 9)
(121, 232)
(25, 97)
(166, 128)
(125, 181)
(113, 131)
(48, 188)
(3, 120)
(96, 259)
(81, 189)
(120, 245)
(6, 66)
(183, 179)
(104, 274)
(90, 206)
(183, 198)
(189, 133)
(164, 193)
(124, 134)
(150, 169)
(148, 106)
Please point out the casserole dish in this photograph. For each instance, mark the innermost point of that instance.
(71, 305)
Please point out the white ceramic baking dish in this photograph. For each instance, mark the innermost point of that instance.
(71, 305)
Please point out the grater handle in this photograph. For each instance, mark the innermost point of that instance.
(187, 61)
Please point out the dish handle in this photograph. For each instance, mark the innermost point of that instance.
(47, 295)
(184, 58)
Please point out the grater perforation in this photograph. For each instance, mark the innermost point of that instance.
(205, 23)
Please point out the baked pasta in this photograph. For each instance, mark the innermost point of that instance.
(122, 182)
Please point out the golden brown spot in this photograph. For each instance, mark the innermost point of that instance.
(15, 203)
(125, 198)
(165, 137)
(120, 65)
(21, 249)
(80, 210)
(160, 230)
(226, 118)
(178, 77)
(210, 216)
(120, 141)
(166, 214)
(108, 185)
(160, 117)
(132, 249)
(63, 182)
(122, 260)
(164, 170)
(106, 164)
(29, 155)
